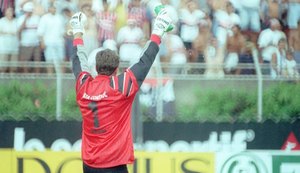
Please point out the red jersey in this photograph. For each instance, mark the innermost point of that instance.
(105, 103)
(106, 115)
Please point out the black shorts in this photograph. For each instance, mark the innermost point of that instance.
(116, 169)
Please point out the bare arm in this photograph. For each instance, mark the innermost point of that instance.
(274, 63)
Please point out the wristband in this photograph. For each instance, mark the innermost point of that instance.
(155, 38)
(77, 41)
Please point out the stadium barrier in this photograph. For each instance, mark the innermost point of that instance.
(54, 147)
(162, 137)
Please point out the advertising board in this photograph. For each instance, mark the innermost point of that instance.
(263, 161)
(174, 137)
(70, 162)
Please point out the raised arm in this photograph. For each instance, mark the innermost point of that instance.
(80, 57)
(162, 24)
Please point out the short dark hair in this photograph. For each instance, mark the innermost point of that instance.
(107, 61)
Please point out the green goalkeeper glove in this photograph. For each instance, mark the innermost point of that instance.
(163, 22)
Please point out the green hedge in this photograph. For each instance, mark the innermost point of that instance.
(33, 101)
(281, 102)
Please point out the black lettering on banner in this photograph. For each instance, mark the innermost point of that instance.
(41, 162)
(147, 166)
(135, 166)
(60, 168)
(186, 170)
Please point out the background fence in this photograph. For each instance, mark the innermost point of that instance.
(165, 94)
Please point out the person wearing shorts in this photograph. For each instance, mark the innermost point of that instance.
(9, 38)
(52, 38)
(29, 41)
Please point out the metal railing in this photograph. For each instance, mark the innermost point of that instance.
(188, 72)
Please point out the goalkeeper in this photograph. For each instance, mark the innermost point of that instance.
(105, 101)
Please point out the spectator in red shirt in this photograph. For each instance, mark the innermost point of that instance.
(137, 11)
(106, 21)
(106, 100)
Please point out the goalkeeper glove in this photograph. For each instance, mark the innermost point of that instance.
(162, 23)
(77, 23)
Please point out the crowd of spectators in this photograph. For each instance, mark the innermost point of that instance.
(219, 34)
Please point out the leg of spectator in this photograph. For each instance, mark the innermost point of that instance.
(37, 57)
(220, 55)
(50, 70)
(49, 54)
(254, 24)
(293, 15)
(231, 62)
(13, 59)
(221, 36)
(188, 46)
(68, 51)
(25, 56)
(3, 58)
(244, 19)
(297, 57)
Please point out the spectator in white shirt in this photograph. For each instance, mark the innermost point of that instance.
(190, 17)
(98, 5)
(293, 13)
(129, 38)
(278, 60)
(225, 19)
(233, 16)
(294, 42)
(249, 14)
(291, 65)
(9, 38)
(175, 52)
(29, 41)
(62, 4)
(67, 14)
(51, 32)
(268, 41)
(19, 8)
